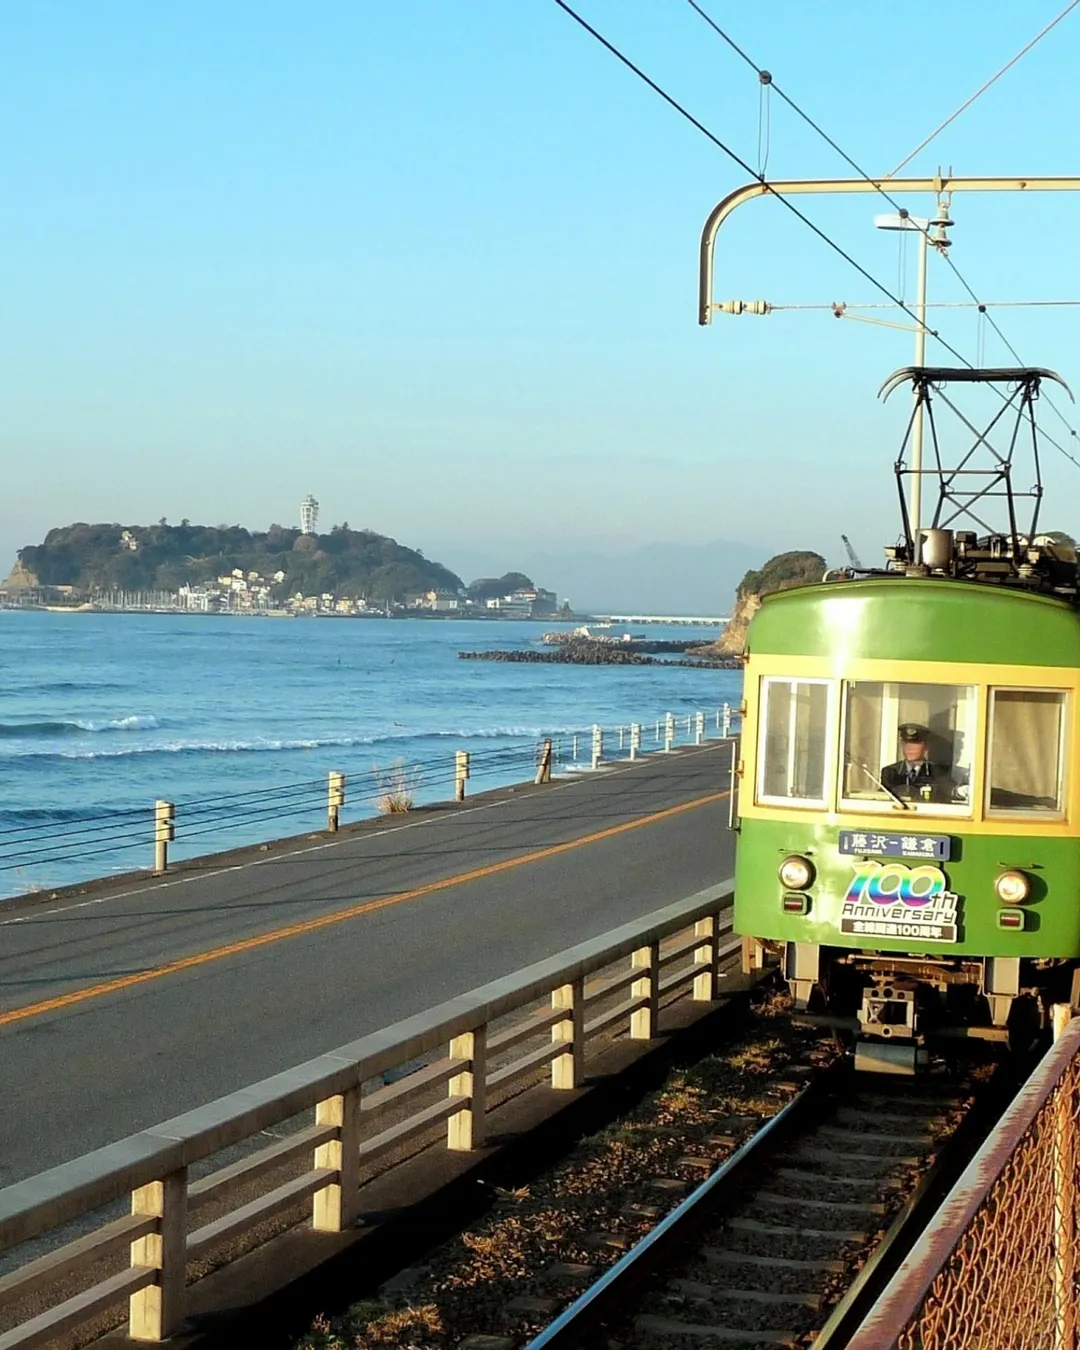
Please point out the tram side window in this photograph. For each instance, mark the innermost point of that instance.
(794, 722)
(1025, 763)
(910, 743)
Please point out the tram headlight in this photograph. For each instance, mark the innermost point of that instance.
(796, 873)
(1013, 887)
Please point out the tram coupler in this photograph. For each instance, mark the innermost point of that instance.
(887, 1040)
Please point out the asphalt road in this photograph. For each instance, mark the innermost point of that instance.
(144, 1000)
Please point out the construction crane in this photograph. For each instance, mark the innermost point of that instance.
(853, 557)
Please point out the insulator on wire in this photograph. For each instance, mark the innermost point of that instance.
(744, 307)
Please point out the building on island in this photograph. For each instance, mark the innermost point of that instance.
(309, 514)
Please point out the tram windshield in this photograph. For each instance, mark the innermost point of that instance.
(1024, 773)
(908, 745)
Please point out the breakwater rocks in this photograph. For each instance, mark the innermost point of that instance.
(597, 654)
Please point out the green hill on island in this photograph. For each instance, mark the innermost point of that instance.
(165, 557)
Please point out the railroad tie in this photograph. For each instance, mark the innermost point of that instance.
(717, 1293)
(795, 1230)
(670, 1326)
(807, 1177)
(885, 1163)
(840, 1206)
(840, 1135)
(720, 1256)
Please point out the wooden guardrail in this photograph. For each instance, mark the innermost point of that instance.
(167, 1226)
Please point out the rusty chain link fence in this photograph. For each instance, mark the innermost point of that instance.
(996, 1268)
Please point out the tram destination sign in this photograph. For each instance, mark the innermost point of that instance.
(928, 846)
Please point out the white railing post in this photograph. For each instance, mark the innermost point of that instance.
(726, 731)
(575, 747)
(156, 1312)
(635, 739)
(164, 834)
(461, 774)
(669, 731)
(567, 1070)
(643, 1021)
(465, 1128)
(706, 959)
(597, 745)
(543, 769)
(620, 738)
(335, 799)
(699, 728)
(337, 1206)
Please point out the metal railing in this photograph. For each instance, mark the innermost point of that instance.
(191, 1197)
(996, 1268)
(256, 815)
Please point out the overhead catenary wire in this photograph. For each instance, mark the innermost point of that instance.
(738, 159)
(878, 185)
(984, 87)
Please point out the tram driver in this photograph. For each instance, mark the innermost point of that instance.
(916, 776)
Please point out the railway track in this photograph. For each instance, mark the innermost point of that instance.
(788, 1240)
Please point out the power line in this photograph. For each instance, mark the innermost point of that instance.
(759, 177)
(983, 88)
(766, 79)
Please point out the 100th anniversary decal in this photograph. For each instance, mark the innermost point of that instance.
(893, 900)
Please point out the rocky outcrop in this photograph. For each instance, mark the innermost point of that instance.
(592, 654)
(781, 573)
(20, 578)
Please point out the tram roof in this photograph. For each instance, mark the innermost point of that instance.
(918, 619)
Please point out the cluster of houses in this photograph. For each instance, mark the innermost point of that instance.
(249, 592)
(525, 603)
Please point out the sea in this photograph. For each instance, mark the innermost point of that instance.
(238, 720)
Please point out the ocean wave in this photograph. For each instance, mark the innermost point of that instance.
(76, 727)
(274, 745)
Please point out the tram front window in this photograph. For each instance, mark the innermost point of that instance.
(794, 722)
(1024, 773)
(909, 744)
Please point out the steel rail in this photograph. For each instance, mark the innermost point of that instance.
(578, 1320)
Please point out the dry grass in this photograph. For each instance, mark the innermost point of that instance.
(396, 786)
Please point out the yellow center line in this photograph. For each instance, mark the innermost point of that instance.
(339, 916)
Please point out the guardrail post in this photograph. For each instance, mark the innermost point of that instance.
(620, 738)
(643, 1021)
(465, 1128)
(568, 1070)
(156, 1312)
(575, 747)
(461, 774)
(656, 737)
(336, 1207)
(335, 799)
(706, 959)
(164, 834)
(1064, 1165)
(699, 728)
(669, 731)
(635, 739)
(687, 726)
(597, 745)
(543, 770)
(726, 724)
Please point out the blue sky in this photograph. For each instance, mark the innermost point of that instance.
(436, 263)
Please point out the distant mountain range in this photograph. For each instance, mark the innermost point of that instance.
(655, 579)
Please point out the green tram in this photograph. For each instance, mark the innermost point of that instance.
(909, 781)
